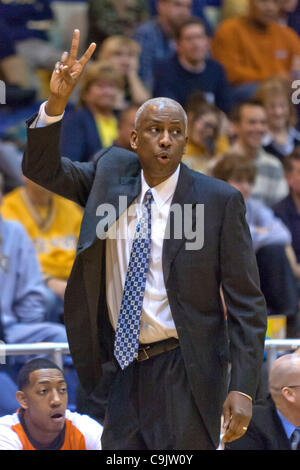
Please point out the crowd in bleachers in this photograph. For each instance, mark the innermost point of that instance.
(232, 65)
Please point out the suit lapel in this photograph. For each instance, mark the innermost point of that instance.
(119, 197)
(184, 195)
(108, 204)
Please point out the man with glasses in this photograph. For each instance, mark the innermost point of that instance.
(275, 423)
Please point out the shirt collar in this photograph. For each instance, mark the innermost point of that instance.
(288, 427)
(163, 191)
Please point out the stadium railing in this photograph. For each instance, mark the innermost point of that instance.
(273, 347)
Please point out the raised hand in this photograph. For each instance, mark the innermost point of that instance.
(66, 74)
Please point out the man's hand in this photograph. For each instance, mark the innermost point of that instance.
(65, 76)
(237, 412)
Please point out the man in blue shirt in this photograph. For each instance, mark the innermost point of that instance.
(156, 36)
(276, 421)
(192, 70)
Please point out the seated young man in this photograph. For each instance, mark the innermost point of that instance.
(43, 421)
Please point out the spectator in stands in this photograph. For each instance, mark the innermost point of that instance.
(288, 11)
(275, 420)
(43, 421)
(13, 71)
(250, 122)
(10, 165)
(29, 24)
(94, 124)
(270, 237)
(204, 136)
(157, 36)
(123, 53)
(282, 117)
(198, 9)
(23, 296)
(125, 127)
(53, 224)
(190, 69)
(111, 17)
(8, 388)
(289, 14)
(289, 209)
(254, 48)
(68, 13)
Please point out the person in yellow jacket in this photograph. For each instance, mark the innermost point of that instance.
(53, 224)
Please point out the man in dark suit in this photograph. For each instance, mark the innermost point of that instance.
(172, 393)
(275, 423)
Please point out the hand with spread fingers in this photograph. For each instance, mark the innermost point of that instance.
(66, 74)
(237, 412)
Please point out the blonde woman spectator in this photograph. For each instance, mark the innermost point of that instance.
(282, 136)
(123, 53)
(95, 124)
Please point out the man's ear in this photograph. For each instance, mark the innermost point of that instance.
(21, 397)
(133, 140)
(288, 394)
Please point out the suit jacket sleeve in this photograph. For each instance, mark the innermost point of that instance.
(43, 164)
(246, 308)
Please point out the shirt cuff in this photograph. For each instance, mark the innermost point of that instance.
(43, 120)
(245, 394)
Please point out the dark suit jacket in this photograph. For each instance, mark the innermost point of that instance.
(192, 277)
(265, 431)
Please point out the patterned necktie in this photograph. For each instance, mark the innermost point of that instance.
(295, 439)
(128, 327)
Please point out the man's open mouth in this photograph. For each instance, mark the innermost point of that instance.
(164, 157)
(58, 417)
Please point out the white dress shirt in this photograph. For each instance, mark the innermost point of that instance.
(156, 321)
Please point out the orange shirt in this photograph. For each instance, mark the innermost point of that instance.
(250, 54)
(81, 433)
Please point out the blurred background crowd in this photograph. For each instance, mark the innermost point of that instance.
(234, 65)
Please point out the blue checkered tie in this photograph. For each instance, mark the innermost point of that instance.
(128, 328)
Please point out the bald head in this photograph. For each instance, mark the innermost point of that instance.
(284, 371)
(159, 104)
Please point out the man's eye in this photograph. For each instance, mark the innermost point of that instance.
(176, 131)
(43, 391)
(154, 129)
